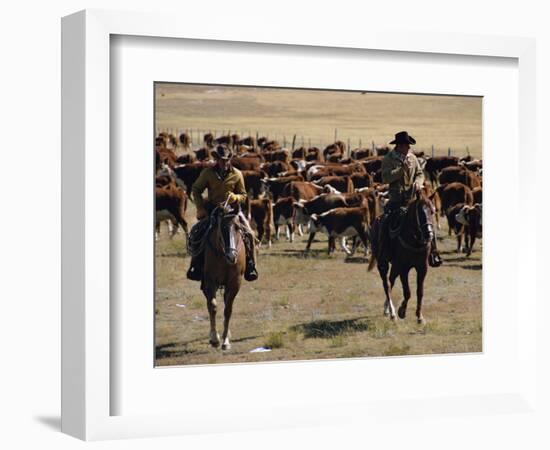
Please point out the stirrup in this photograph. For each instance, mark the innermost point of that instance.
(250, 273)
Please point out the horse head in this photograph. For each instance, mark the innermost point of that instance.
(423, 212)
(226, 234)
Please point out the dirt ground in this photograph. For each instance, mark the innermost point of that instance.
(315, 306)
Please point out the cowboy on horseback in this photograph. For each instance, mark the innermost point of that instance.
(225, 185)
(402, 171)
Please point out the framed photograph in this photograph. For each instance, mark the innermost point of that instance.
(265, 164)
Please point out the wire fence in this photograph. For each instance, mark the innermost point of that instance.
(297, 140)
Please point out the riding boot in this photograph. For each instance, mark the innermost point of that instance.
(250, 273)
(196, 268)
(434, 259)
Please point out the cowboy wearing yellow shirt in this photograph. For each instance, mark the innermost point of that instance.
(225, 183)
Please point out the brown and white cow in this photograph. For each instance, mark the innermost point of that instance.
(253, 182)
(303, 190)
(341, 184)
(273, 169)
(250, 161)
(343, 223)
(436, 164)
(471, 217)
(203, 153)
(276, 186)
(171, 200)
(451, 194)
(361, 153)
(461, 175)
(284, 214)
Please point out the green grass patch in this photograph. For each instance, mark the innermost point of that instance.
(274, 340)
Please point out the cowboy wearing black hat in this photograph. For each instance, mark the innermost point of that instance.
(225, 183)
(402, 171)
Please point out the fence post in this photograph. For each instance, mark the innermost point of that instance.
(433, 151)
(449, 152)
(374, 151)
(335, 134)
(349, 147)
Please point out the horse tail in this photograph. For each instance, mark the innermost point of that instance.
(373, 234)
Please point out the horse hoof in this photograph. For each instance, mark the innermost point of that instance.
(226, 346)
(215, 344)
(401, 312)
(386, 313)
(420, 321)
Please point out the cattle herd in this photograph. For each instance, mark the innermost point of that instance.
(335, 190)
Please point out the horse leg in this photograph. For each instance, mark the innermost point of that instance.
(404, 276)
(229, 296)
(212, 309)
(389, 309)
(420, 277)
(276, 231)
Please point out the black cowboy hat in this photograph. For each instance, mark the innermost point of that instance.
(403, 138)
(222, 152)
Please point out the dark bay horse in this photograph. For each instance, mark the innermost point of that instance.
(410, 248)
(224, 265)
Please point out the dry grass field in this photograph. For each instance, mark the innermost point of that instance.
(315, 306)
(442, 121)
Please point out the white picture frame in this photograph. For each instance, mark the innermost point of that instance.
(87, 328)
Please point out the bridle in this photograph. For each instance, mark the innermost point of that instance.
(425, 228)
(231, 248)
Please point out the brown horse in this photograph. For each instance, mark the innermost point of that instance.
(410, 248)
(224, 265)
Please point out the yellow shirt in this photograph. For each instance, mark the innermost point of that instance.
(218, 188)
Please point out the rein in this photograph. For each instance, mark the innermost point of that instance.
(221, 242)
(417, 249)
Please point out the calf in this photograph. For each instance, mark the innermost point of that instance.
(317, 205)
(260, 214)
(253, 182)
(471, 218)
(456, 226)
(342, 223)
(172, 200)
(453, 193)
(284, 213)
